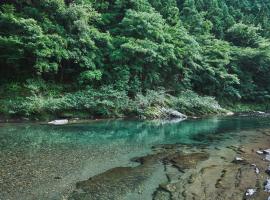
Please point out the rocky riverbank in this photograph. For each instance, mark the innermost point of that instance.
(237, 171)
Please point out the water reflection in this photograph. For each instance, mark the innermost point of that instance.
(125, 132)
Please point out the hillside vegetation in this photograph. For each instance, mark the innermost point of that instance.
(127, 57)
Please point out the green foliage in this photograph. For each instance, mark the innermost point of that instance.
(107, 57)
(191, 103)
(244, 35)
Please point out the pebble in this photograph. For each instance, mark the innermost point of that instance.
(239, 160)
(257, 170)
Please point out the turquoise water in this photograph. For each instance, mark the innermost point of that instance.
(124, 132)
(38, 159)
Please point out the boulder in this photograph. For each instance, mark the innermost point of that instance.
(59, 122)
(172, 114)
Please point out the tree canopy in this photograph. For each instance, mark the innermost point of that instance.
(213, 47)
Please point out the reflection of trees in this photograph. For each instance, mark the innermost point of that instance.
(122, 132)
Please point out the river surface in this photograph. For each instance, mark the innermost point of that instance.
(54, 162)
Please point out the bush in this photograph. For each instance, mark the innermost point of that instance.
(42, 100)
(191, 103)
(188, 102)
(105, 102)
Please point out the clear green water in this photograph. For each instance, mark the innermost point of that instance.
(34, 156)
(123, 132)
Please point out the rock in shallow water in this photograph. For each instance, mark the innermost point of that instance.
(250, 192)
(266, 151)
(267, 186)
(267, 157)
(172, 114)
(59, 122)
(268, 170)
(259, 152)
(239, 160)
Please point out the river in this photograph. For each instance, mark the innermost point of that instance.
(132, 159)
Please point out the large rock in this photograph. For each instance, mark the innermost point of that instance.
(172, 114)
(59, 122)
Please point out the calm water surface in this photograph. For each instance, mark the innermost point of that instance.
(43, 162)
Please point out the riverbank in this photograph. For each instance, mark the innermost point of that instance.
(92, 104)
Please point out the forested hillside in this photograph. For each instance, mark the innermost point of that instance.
(122, 57)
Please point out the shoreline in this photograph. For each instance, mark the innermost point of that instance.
(77, 120)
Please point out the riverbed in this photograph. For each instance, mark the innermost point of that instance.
(132, 159)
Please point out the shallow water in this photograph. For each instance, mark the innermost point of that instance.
(44, 162)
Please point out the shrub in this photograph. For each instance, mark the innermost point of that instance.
(191, 103)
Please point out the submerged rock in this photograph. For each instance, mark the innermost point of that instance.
(186, 161)
(59, 122)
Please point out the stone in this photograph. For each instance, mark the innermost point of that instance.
(230, 113)
(172, 114)
(59, 122)
(168, 187)
(257, 171)
(250, 192)
(268, 170)
(266, 151)
(267, 186)
(259, 152)
(267, 157)
(239, 160)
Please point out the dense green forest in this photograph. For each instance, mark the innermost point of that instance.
(130, 57)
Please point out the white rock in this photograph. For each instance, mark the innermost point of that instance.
(268, 198)
(267, 185)
(172, 114)
(257, 171)
(259, 152)
(267, 157)
(250, 192)
(238, 159)
(266, 151)
(230, 113)
(59, 122)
